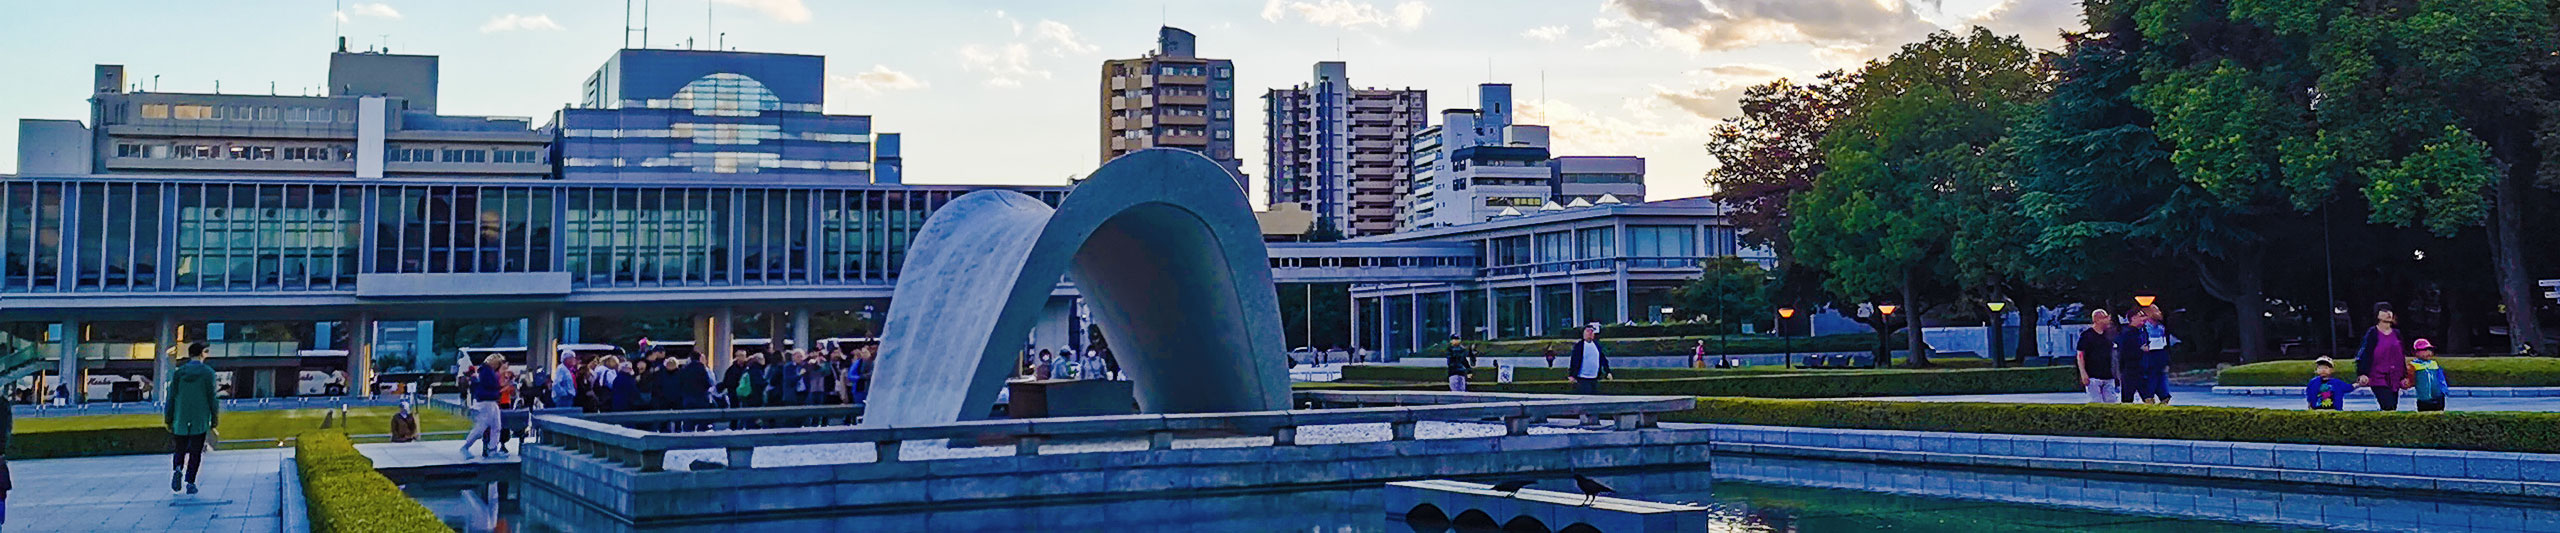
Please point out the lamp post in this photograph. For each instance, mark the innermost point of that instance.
(1887, 309)
(1785, 313)
(2144, 298)
(1998, 360)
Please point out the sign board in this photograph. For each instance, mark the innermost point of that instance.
(1503, 372)
(2554, 285)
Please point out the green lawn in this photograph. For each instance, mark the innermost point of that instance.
(269, 424)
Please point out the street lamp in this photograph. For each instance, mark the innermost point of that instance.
(1887, 309)
(1998, 360)
(1784, 313)
(2144, 298)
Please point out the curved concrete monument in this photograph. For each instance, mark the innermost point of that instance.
(1166, 253)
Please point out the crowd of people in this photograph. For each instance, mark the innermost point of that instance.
(661, 380)
(1068, 363)
(2128, 362)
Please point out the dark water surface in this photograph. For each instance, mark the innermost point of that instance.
(1744, 493)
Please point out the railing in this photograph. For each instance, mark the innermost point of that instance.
(612, 437)
(1577, 265)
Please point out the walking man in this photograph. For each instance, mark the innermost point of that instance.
(486, 382)
(2097, 357)
(1460, 364)
(191, 414)
(1589, 365)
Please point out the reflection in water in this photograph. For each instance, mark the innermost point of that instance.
(1743, 493)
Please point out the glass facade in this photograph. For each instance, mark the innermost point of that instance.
(124, 235)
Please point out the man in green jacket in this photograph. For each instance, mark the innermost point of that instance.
(191, 413)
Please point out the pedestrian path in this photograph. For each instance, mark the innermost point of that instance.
(240, 492)
(2201, 396)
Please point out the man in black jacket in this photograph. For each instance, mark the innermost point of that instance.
(748, 369)
(1589, 365)
(1461, 363)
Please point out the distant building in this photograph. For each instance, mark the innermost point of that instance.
(1343, 152)
(698, 114)
(1171, 98)
(1478, 164)
(377, 120)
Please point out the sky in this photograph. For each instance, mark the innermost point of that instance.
(1006, 92)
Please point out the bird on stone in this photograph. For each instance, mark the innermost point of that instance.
(1592, 490)
(1513, 486)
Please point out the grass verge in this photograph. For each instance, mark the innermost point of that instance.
(2484, 431)
(345, 494)
(2462, 371)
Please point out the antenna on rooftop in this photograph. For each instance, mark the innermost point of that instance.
(707, 7)
(336, 20)
(628, 29)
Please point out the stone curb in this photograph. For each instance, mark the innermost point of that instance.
(2456, 392)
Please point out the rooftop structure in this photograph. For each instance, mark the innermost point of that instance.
(1170, 98)
(703, 115)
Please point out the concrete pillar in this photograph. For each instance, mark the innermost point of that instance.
(774, 333)
(1537, 311)
(1492, 314)
(1413, 335)
(1621, 295)
(703, 331)
(1457, 327)
(800, 328)
(164, 340)
(542, 342)
(724, 336)
(361, 337)
(1355, 326)
(1580, 315)
(68, 364)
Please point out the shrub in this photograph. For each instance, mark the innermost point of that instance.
(2462, 371)
(1633, 346)
(38, 441)
(346, 494)
(2486, 431)
(1802, 383)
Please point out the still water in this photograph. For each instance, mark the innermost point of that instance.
(1745, 494)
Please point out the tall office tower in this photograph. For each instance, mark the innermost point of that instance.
(652, 114)
(1344, 153)
(1171, 98)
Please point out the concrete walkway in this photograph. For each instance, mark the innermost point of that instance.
(2204, 397)
(434, 454)
(240, 493)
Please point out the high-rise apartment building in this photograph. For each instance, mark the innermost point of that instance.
(1171, 98)
(690, 114)
(1344, 153)
(1478, 164)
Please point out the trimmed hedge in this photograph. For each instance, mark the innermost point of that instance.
(1640, 346)
(40, 442)
(2458, 430)
(346, 494)
(1539, 373)
(1800, 384)
(2462, 371)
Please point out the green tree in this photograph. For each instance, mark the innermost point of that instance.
(1728, 292)
(1772, 152)
(1918, 149)
(2436, 113)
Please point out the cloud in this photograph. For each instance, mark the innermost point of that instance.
(1060, 38)
(1405, 15)
(1546, 33)
(791, 11)
(1005, 65)
(1737, 75)
(368, 10)
(1694, 26)
(2037, 22)
(880, 79)
(1636, 128)
(513, 22)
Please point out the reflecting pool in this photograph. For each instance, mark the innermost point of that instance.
(1744, 493)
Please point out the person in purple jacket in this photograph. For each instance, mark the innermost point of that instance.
(2383, 362)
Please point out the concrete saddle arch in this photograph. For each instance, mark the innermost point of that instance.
(1165, 251)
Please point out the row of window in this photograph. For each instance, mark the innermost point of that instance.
(244, 112)
(408, 154)
(233, 151)
(1371, 262)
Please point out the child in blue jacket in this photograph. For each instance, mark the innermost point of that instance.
(2326, 391)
